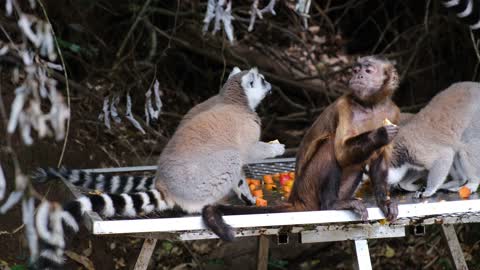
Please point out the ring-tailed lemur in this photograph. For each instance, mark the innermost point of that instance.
(442, 139)
(468, 11)
(200, 165)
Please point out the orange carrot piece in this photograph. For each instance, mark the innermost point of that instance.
(258, 193)
(267, 179)
(464, 192)
(286, 189)
(261, 202)
(256, 182)
(270, 186)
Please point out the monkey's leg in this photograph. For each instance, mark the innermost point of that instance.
(358, 149)
(437, 174)
(243, 192)
(351, 178)
(355, 205)
(378, 175)
(262, 150)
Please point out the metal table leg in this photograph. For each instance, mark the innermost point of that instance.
(362, 255)
(145, 254)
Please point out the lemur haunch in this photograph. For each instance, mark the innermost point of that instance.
(200, 165)
(443, 138)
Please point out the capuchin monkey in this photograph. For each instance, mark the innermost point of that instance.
(200, 165)
(348, 134)
(443, 138)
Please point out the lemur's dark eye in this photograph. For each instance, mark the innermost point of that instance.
(251, 84)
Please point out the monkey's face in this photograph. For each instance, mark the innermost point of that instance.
(255, 87)
(367, 79)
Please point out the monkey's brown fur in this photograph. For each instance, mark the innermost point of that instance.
(348, 135)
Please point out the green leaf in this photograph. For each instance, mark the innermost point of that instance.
(389, 252)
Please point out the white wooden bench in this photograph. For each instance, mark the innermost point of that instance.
(312, 227)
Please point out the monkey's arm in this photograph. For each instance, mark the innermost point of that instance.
(262, 150)
(378, 174)
(356, 149)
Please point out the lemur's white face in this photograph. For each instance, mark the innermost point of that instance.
(255, 87)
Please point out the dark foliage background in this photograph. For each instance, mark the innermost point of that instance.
(111, 47)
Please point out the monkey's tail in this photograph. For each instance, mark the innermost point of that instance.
(104, 182)
(467, 11)
(107, 205)
(213, 216)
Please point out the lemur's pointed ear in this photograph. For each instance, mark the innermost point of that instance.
(235, 70)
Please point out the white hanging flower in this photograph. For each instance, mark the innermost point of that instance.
(28, 217)
(130, 117)
(113, 109)
(3, 183)
(17, 107)
(105, 115)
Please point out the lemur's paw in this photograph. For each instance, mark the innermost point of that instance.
(277, 149)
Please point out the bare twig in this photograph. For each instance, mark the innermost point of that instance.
(134, 25)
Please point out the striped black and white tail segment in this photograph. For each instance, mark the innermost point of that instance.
(125, 204)
(97, 181)
(468, 11)
(108, 205)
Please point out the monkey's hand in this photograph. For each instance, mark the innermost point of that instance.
(389, 209)
(384, 135)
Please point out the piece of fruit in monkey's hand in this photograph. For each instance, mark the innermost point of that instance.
(274, 141)
(387, 122)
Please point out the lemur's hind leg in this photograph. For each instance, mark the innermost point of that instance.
(408, 185)
(437, 174)
(453, 185)
(243, 192)
(469, 162)
(262, 150)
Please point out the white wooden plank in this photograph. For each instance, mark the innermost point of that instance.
(145, 254)
(454, 248)
(363, 255)
(339, 233)
(281, 219)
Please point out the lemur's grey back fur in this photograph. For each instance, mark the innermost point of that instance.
(442, 138)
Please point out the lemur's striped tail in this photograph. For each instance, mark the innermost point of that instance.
(105, 182)
(51, 235)
(468, 11)
(125, 204)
